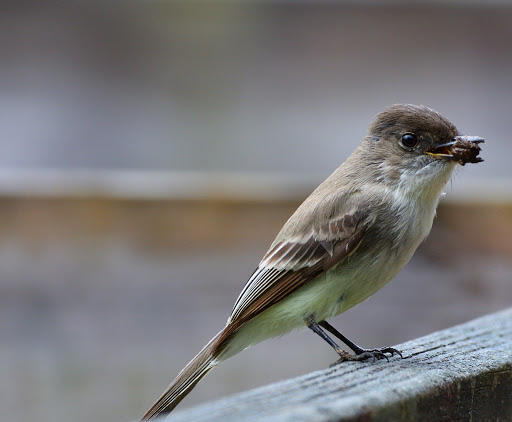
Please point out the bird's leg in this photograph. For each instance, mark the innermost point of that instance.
(379, 353)
(314, 326)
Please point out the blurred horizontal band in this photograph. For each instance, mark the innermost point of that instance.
(189, 185)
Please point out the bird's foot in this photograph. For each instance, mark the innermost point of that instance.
(365, 354)
(379, 353)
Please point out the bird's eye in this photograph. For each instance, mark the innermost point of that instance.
(409, 141)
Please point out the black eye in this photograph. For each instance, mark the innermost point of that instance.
(409, 140)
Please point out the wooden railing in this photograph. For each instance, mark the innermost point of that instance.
(463, 373)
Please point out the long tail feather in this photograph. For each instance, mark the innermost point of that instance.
(186, 380)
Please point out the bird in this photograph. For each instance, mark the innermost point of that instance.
(350, 237)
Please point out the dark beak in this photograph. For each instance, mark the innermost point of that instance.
(463, 149)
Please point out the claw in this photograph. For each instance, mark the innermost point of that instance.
(365, 354)
(381, 352)
(376, 354)
(392, 351)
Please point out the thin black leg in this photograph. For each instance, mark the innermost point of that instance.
(344, 356)
(376, 353)
(357, 350)
(315, 328)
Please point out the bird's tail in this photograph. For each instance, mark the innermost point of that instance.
(186, 380)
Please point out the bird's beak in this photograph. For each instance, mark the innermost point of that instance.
(463, 149)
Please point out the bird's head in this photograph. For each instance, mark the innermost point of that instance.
(409, 141)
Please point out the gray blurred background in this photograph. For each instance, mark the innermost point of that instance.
(150, 151)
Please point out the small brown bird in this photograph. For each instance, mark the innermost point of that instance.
(350, 237)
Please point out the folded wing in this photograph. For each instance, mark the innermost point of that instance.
(289, 265)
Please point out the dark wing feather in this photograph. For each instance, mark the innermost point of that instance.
(289, 265)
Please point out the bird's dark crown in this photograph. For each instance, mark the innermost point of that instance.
(401, 118)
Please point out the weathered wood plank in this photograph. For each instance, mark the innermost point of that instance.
(460, 374)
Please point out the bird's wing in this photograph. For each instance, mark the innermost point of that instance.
(289, 265)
